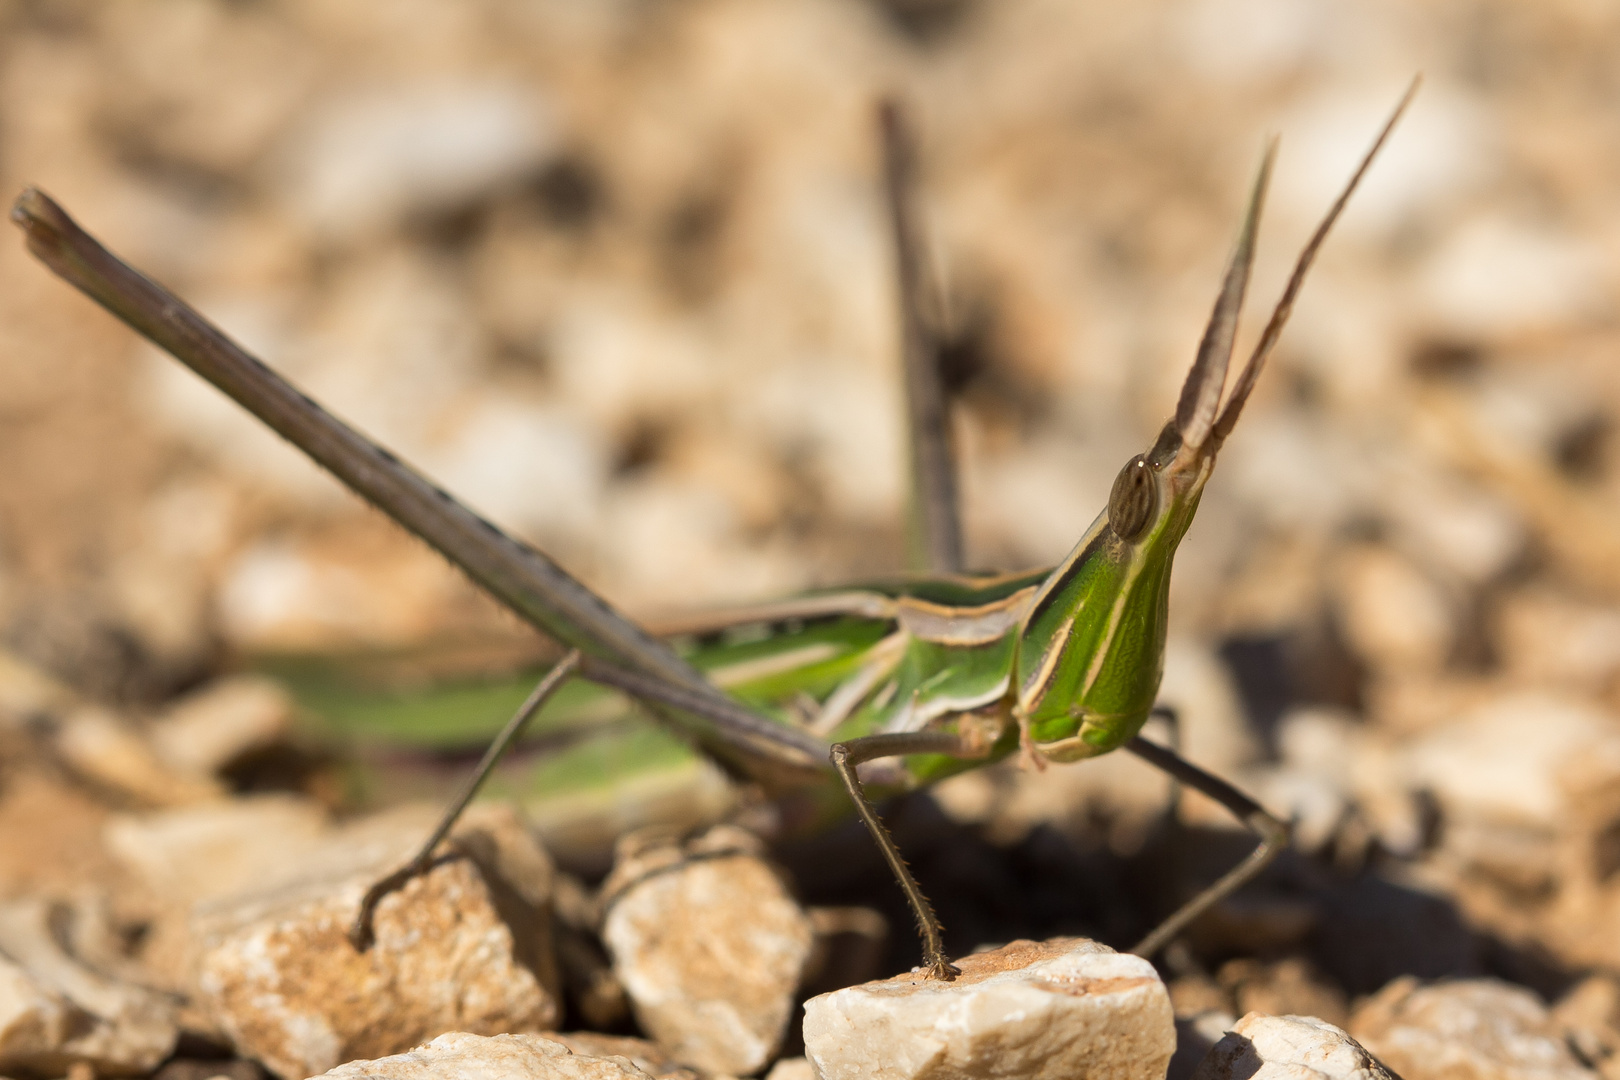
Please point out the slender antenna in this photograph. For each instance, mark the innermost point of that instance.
(1201, 393)
(933, 516)
(1285, 306)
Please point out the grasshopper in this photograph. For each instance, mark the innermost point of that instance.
(915, 680)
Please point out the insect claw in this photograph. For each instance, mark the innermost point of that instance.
(1030, 759)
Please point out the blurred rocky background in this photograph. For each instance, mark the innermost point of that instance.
(619, 274)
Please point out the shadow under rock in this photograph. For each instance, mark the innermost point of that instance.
(1045, 885)
(1374, 929)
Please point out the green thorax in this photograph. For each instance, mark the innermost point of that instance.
(1091, 656)
(923, 654)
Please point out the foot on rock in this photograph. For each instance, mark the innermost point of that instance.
(1042, 1010)
(467, 946)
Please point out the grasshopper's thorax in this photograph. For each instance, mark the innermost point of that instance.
(1091, 650)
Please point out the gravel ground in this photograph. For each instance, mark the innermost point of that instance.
(619, 274)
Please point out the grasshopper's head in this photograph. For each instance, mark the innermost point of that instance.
(1091, 650)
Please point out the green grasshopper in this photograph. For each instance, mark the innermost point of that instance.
(916, 680)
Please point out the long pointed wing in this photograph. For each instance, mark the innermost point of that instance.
(618, 652)
(1201, 393)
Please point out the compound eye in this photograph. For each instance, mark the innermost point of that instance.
(1134, 500)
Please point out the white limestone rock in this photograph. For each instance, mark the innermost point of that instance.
(1262, 1047)
(1043, 1010)
(466, 1056)
(708, 945)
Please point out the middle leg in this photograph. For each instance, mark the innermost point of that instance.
(1273, 833)
(845, 757)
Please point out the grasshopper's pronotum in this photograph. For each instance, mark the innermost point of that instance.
(918, 680)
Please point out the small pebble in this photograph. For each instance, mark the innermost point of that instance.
(1471, 1029)
(1395, 617)
(57, 1014)
(1262, 1047)
(708, 945)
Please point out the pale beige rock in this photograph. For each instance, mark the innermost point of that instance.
(280, 977)
(1498, 274)
(1394, 616)
(56, 1013)
(466, 947)
(1462, 529)
(1474, 1029)
(189, 854)
(1291, 986)
(1555, 639)
(644, 1054)
(792, 1069)
(1043, 1010)
(103, 749)
(34, 1021)
(708, 945)
(1589, 1016)
(209, 728)
(365, 158)
(26, 691)
(1481, 766)
(466, 1056)
(1262, 1047)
